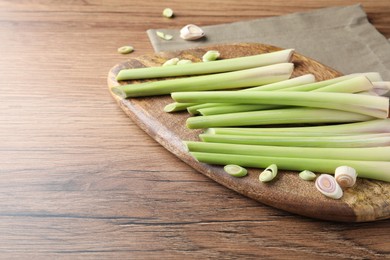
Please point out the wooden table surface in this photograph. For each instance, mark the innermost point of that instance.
(78, 179)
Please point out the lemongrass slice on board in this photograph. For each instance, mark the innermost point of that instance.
(328, 186)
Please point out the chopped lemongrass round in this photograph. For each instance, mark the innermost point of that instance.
(191, 32)
(235, 170)
(164, 36)
(171, 62)
(181, 62)
(125, 49)
(307, 175)
(269, 173)
(168, 13)
(210, 56)
(345, 176)
(328, 186)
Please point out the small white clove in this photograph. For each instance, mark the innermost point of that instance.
(191, 32)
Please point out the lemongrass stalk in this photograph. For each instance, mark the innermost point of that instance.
(375, 106)
(345, 84)
(381, 153)
(362, 140)
(276, 117)
(227, 80)
(378, 170)
(301, 80)
(200, 68)
(352, 85)
(371, 126)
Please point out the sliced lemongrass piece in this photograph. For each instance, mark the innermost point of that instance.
(126, 49)
(211, 55)
(377, 170)
(175, 106)
(269, 173)
(218, 66)
(360, 154)
(191, 32)
(351, 141)
(328, 186)
(171, 62)
(307, 175)
(184, 61)
(371, 126)
(164, 36)
(276, 117)
(345, 176)
(167, 12)
(234, 79)
(235, 170)
(375, 106)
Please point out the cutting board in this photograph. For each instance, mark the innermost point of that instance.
(368, 200)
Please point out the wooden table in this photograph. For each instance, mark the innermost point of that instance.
(81, 180)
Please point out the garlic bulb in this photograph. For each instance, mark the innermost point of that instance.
(191, 32)
(345, 176)
(328, 186)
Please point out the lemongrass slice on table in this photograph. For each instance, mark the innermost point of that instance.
(327, 185)
(345, 176)
(199, 68)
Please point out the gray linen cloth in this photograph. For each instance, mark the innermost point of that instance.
(339, 37)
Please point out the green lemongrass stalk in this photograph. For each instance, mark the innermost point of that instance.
(375, 106)
(362, 140)
(353, 85)
(277, 117)
(200, 68)
(372, 126)
(227, 80)
(377, 170)
(285, 84)
(360, 154)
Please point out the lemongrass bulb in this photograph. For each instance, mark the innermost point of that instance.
(345, 176)
(191, 32)
(269, 173)
(328, 186)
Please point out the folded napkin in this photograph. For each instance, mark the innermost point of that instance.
(339, 37)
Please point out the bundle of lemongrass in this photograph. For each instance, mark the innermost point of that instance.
(351, 111)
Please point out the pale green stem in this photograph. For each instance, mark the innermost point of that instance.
(378, 170)
(375, 106)
(352, 85)
(227, 80)
(200, 68)
(285, 84)
(276, 117)
(362, 140)
(372, 126)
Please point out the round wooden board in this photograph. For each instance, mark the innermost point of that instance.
(367, 201)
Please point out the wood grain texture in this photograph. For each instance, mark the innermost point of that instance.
(367, 201)
(79, 180)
